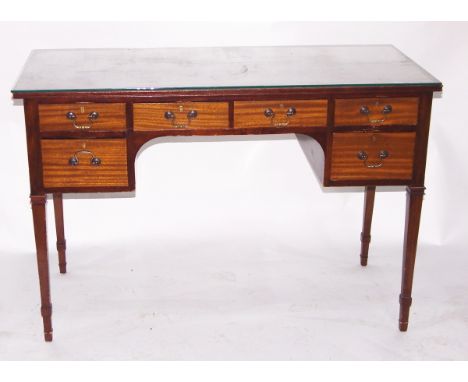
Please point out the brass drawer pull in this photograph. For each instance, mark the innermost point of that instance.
(362, 155)
(94, 161)
(169, 115)
(269, 113)
(387, 109)
(91, 117)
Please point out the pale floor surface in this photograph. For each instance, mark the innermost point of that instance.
(235, 299)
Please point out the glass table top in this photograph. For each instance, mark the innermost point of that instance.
(55, 70)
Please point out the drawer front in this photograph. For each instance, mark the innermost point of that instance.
(376, 111)
(84, 162)
(180, 116)
(82, 117)
(282, 113)
(366, 155)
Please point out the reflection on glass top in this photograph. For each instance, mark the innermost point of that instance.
(223, 67)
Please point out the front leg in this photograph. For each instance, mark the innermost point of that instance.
(38, 203)
(414, 198)
(59, 229)
(367, 222)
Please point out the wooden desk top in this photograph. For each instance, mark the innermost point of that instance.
(104, 70)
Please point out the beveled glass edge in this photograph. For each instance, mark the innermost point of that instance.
(436, 82)
(109, 90)
(416, 64)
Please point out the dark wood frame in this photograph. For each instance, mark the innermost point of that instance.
(135, 140)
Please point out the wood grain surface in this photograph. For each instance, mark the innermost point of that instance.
(404, 111)
(308, 113)
(57, 172)
(151, 116)
(345, 164)
(53, 117)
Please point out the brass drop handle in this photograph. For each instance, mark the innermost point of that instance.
(383, 154)
(365, 110)
(192, 114)
(71, 115)
(291, 111)
(91, 117)
(269, 113)
(169, 115)
(362, 155)
(387, 109)
(94, 161)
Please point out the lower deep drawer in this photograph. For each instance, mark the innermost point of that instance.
(84, 162)
(372, 156)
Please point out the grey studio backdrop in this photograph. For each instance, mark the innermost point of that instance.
(231, 249)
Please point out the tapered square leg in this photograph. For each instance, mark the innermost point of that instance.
(367, 222)
(414, 198)
(38, 203)
(60, 230)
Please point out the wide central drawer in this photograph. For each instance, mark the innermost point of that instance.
(84, 162)
(180, 116)
(280, 113)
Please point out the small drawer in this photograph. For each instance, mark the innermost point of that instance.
(82, 117)
(84, 162)
(372, 156)
(376, 111)
(282, 113)
(180, 116)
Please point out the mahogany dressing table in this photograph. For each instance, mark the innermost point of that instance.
(88, 112)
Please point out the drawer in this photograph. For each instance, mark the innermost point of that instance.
(82, 116)
(282, 113)
(366, 155)
(376, 111)
(180, 115)
(84, 162)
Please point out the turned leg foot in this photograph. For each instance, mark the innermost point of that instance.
(46, 312)
(405, 303)
(367, 222)
(59, 228)
(38, 203)
(414, 198)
